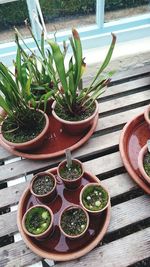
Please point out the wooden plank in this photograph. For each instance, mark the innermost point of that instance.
(122, 215)
(20, 168)
(119, 253)
(4, 154)
(124, 101)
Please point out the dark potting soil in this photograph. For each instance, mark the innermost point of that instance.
(42, 185)
(80, 113)
(24, 133)
(37, 220)
(146, 163)
(73, 221)
(71, 173)
(95, 198)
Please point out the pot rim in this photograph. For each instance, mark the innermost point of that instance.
(146, 114)
(140, 162)
(95, 211)
(35, 177)
(30, 142)
(67, 180)
(74, 122)
(47, 230)
(87, 224)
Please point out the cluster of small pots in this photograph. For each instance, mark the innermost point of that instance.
(38, 220)
(144, 151)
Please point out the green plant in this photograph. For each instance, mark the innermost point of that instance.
(39, 68)
(14, 100)
(74, 99)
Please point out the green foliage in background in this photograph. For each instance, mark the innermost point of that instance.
(14, 14)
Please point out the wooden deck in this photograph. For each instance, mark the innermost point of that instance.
(128, 238)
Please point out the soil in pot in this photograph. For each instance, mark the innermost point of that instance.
(37, 220)
(94, 198)
(72, 172)
(24, 133)
(80, 112)
(73, 221)
(146, 163)
(43, 184)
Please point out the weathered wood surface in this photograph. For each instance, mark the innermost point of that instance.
(127, 97)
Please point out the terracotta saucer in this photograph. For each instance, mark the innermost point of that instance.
(133, 137)
(57, 246)
(56, 143)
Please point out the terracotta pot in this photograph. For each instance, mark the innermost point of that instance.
(71, 184)
(87, 224)
(147, 115)
(49, 196)
(47, 232)
(141, 155)
(76, 127)
(95, 212)
(32, 144)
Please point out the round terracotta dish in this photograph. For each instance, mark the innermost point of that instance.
(29, 145)
(71, 209)
(76, 127)
(58, 247)
(142, 153)
(133, 137)
(45, 233)
(55, 144)
(83, 192)
(70, 183)
(48, 196)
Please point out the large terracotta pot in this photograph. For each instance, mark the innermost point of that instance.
(141, 155)
(70, 184)
(76, 127)
(147, 115)
(87, 223)
(44, 234)
(32, 144)
(49, 196)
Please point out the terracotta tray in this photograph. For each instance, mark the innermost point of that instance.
(133, 137)
(58, 247)
(56, 144)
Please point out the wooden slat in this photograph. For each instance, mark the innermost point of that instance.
(116, 185)
(122, 215)
(120, 253)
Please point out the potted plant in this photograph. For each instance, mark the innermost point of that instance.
(73, 222)
(70, 171)
(144, 161)
(37, 221)
(43, 186)
(75, 106)
(94, 198)
(23, 128)
(39, 67)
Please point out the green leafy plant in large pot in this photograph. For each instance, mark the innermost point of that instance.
(22, 127)
(40, 69)
(75, 106)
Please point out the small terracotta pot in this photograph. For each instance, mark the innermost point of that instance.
(76, 127)
(49, 196)
(141, 155)
(97, 212)
(147, 115)
(70, 184)
(47, 232)
(87, 224)
(32, 144)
